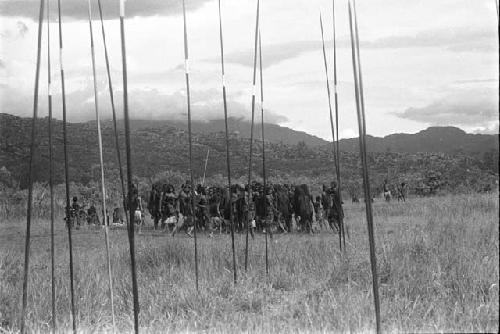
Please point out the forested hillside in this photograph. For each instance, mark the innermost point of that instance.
(157, 149)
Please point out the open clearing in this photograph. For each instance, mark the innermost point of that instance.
(437, 261)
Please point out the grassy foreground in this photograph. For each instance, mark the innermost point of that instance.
(437, 260)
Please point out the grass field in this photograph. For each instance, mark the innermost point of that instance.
(437, 261)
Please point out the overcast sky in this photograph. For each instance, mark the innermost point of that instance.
(424, 62)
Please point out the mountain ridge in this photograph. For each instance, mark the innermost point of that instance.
(158, 147)
(444, 139)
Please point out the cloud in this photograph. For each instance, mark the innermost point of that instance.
(205, 105)
(149, 104)
(453, 39)
(78, 9)
(475, 81)
(273, 54)
(493, 129)
(473, 108)
(19, 31)
(22, 28)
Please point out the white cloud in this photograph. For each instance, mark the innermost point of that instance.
(475, 108)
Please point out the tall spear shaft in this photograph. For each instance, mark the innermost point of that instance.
(101, 161)
(356, 63)
(330, 108)
(228, 157)
(251, 128)
(30, 180)
(69, 222)
(336, 104)
(264, 178)
(191, 191)
(205, 168)
(113, 109)
(131, 231)
(51, 177)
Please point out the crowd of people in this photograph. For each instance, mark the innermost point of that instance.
(271, 208)
(274, 208)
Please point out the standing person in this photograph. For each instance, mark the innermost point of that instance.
(387, 191)
(337, 203)
(251, 215)
(138, 213)
(186, 215)
(92, 216)
(74, 212)
(402, 192)
(134, 201)
(154, 205)
(226, 208)
(257, 202)
(169, 208)
(269, 210)
(214, 202)
(333, 206)
(202, 207)
(318, 210)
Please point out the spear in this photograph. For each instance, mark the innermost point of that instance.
(51, 177)
(130, 185)
(330, 108)
(191, 191)
(251, 128)
(336, 103)
(111, 95)
(69, 223)
(101, 161)
(30, 180)
(356, 63)
(205, 169)
(264, 178)
(228, 157)
(341, 211)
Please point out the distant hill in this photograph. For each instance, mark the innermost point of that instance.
(274, 133)
(448, 140)
(162, 146)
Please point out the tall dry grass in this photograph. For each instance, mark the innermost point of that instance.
(437, 260)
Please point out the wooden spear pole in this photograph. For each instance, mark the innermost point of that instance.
(205, 168)
(228, 157)
(51, 177)
(101, 161)
(191, 191)
(69, 223)
(362, 148)
(336, 104)
(264, 176)
(130, 185)
(251, 129)
(30, 172)
(330, 109)
(113, 109)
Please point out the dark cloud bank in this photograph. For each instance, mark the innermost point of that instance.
(472, 108)
(78, 9)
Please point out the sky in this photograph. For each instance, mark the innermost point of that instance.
(425, 63)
